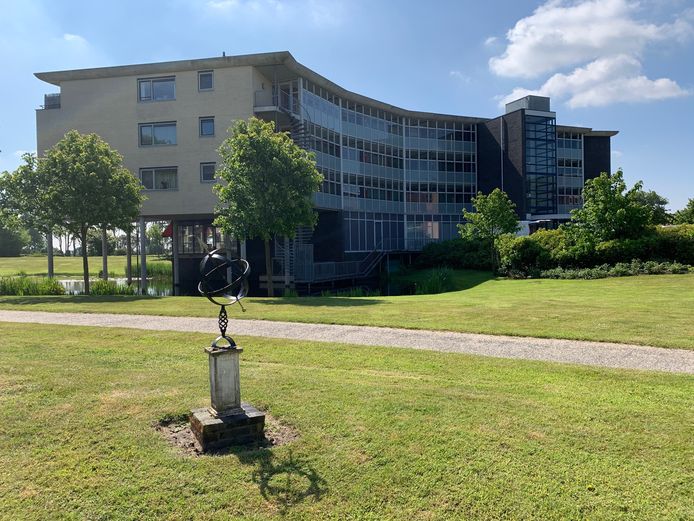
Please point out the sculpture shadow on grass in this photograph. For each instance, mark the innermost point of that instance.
(284, 480)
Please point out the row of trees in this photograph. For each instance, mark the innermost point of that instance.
(79, 185)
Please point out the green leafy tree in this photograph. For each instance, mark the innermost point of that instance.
(610, 211)
(686, 214)
(494, 216)
(95, 244)
(267, 184)
(657, 205)
(12, 240)
(84, 185)
(155, 242)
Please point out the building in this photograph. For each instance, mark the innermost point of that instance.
(395, 179)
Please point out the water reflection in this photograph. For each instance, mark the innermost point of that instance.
(155, 287)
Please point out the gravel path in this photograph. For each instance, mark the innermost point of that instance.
(566, 351)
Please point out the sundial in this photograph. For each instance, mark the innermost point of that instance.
(224, 281)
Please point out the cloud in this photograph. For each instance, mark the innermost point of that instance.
(602, 40)
(489, 42)
(319, 12)
(603, 82)
(460, 76)
(74, 38)
(617, 154)
(557, 36)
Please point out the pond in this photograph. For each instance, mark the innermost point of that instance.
(155, 287)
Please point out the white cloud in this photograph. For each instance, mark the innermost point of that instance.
(617, 154)
(603, 82)
(319, 12)
(460, 76)
(74, 38)
(559, 35)
(490, 41)
(602, 40)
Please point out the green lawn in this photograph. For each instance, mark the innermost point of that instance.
(63, 266)
(384, 433)
(651, 309)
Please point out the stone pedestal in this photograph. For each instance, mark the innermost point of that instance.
(227, 421)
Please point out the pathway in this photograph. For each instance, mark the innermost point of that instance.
(552, 350)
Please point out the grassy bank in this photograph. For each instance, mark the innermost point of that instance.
(652, 310)
(384, 433)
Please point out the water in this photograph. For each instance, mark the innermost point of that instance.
(155, 287)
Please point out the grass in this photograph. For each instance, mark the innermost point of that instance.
(65, 267)
(384, 433)
(650, 309)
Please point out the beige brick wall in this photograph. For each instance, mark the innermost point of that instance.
(110, 108)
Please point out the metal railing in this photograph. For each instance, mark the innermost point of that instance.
(51, 101)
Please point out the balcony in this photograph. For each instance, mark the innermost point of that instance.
(51, 101)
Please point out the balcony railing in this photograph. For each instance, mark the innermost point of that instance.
(51, 101)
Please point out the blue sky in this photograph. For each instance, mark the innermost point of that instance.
(607, 64)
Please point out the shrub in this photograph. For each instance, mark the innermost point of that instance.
(438, 280)
(109, 287)
(621, 269)
(23, 285)
(156, 269)
(462, 253)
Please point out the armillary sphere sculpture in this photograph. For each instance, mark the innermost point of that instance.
(224, 282)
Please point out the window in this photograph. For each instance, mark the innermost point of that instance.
(157, 89)
(205, 80)
(155, 134)
(207, 172)
(207, 126)
(163, 178)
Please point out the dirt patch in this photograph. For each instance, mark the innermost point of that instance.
(178, 433)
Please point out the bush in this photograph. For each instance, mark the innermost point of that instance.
(23, 285)
(156, 269)
(548, 249)
(109, 287)
(462, 253)
(621, 269)
(438, 280)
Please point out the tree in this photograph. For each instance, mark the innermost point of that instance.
(267, 185)
(610, 211)
(656, 203)
(494, 216)
(12, 240)
(686, 214)
(84, 185)
(95, 244)
(155, 241)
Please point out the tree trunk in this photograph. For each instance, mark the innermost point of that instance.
(85, 260)
(49, 253)
(129, 256)
(104, 254)
(268, 269)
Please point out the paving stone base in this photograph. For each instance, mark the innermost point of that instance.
(241, 428)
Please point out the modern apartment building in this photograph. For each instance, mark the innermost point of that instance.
(395, 179)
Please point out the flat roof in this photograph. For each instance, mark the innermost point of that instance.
(279, 65)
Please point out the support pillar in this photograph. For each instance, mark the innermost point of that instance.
(286, 265)
(104, 254)
(143, 256)
(49, 253)
(129, 256)
(228, 421)
(174, 252)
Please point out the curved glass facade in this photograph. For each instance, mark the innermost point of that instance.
(401, 182)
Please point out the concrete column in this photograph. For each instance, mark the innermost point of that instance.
(143, 256)
(225, 387)
(49, 253)
(243, 249)
(128, 256)
(174, 251)
(104, 254)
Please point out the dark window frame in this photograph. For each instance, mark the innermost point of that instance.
(208, 163)
(152, 125)
(200, 74)
(153, 170)
(150, 81)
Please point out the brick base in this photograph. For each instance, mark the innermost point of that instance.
(245, 427)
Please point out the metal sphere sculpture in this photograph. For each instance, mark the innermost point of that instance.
(224, 282)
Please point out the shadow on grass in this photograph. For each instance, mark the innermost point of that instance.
(285, 480)
(319, 301)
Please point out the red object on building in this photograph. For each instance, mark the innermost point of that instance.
(168, 232)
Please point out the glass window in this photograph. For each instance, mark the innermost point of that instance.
(157, 89)
(207, 172)
(207, 126)
(205, 80)
(157, 134)
(164, 178)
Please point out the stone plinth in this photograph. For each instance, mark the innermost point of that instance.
(225, 387)
(245, 426)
